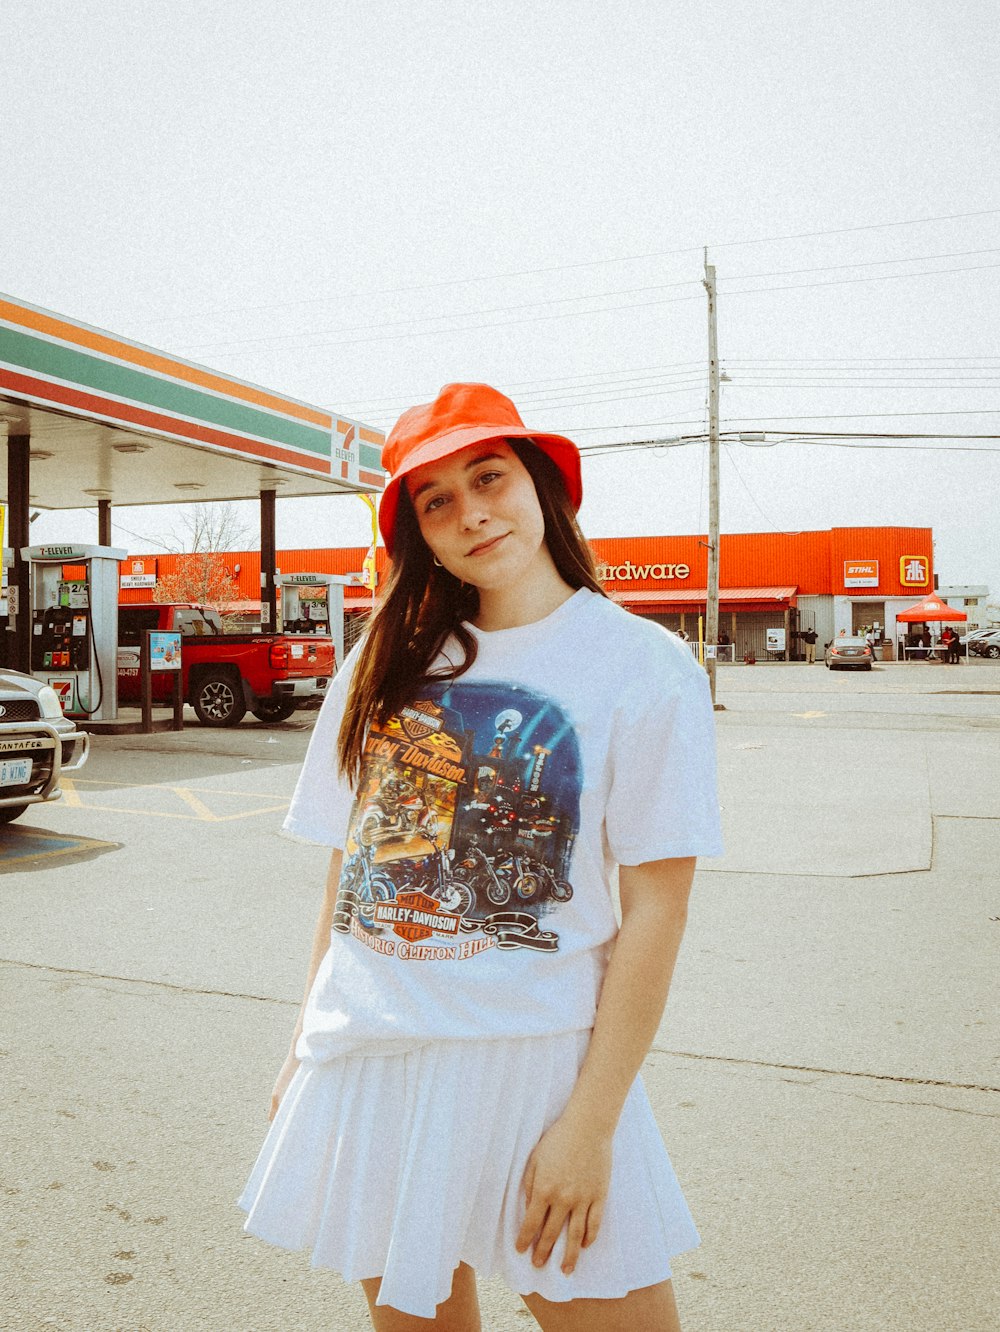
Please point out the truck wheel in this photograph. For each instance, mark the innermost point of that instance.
(8, 813)
(274, 709)
(218, 700)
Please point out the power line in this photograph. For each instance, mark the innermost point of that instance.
(454, 314)
(592, 263)
(503, 323)
(616, 376)
(753, 499)
(844, 231)
(612, 309)
(831, 360)
(847, 374)
(986, 384)
(872, 277)
(866, 416)
(894, 448)
(902, 443)
(870, 434)
(629, 425)
(576, 401)
(861, 263)
(412, 321)
(734, 436)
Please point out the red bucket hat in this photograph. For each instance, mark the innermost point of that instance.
(460, 415)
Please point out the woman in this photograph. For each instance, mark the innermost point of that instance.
(461, 1092)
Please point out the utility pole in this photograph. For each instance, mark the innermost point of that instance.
(712, 606)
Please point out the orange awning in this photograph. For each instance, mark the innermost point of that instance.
(931, 608)
(687, 598)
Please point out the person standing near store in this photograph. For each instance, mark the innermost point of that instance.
(809, 637)
(949, 640)
(462, 1089)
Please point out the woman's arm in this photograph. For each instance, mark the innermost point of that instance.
(320, 944)
(567, 1176)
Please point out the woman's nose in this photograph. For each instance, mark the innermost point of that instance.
(472, 511)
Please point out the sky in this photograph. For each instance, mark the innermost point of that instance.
(357, 202)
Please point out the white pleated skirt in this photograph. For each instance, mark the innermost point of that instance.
(403, 1166)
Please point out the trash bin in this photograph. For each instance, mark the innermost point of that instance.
(885, 652)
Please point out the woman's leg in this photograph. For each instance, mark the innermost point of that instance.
(652, 1309)
(458, 1313)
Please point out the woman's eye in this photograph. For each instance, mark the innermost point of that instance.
(433, 504)
(486, 478)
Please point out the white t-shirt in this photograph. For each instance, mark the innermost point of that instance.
(475, 895)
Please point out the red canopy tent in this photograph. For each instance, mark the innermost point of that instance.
(931, 608)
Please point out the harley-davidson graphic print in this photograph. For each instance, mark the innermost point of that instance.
(463, 826)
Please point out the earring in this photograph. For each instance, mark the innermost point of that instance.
(438, 562)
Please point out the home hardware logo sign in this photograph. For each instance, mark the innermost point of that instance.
(914, 570)
(635, 573)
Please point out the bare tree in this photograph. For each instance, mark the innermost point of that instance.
(201, 576)
(210, 528)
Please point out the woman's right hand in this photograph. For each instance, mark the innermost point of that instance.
(281, 1084)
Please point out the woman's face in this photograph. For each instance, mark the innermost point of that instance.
(479, 513)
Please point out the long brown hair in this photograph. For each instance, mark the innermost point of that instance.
(423, 604)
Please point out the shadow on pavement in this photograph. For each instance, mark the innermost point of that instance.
(23, 848)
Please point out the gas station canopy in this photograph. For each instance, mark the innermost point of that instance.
(110, 419)
(94, 420)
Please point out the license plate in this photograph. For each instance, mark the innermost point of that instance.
(15, 772)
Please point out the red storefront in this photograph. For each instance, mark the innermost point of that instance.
(841, 578)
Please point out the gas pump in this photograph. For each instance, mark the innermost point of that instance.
(313, 603)
(74, 625)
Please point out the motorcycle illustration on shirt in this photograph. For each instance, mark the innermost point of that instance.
(509, 875)
(463, 824)
(368, 884)
(398, 811)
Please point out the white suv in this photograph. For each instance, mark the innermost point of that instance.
(37, 744)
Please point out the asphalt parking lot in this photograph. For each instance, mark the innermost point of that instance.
(827, 1076)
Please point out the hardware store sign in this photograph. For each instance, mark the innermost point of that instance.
(635, 573)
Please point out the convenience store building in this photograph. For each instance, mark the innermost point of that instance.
(842, 578)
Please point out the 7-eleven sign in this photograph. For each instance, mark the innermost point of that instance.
(64, 690)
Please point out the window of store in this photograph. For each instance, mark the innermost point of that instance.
(866, 613)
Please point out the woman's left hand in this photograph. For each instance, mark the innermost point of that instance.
(565, 1182)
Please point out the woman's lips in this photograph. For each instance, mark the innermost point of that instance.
(487, 546)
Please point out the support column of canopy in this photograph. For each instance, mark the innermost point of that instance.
(18, 521)
(104, 522)
(268, 564)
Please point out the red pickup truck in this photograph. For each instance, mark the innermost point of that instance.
(225, 674)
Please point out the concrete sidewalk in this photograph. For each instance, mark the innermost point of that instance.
(826, 1078)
